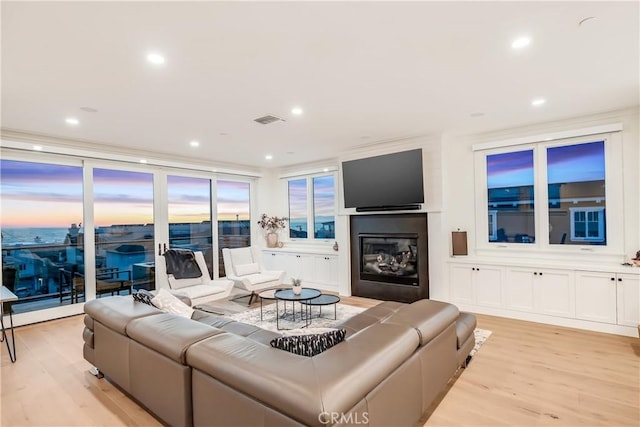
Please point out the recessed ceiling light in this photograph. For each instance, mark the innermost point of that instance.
(223, 134)
(268, 157)
(37, 147)
(72, 121)
(291, 152)
(521, 42)
(194, 144)
(325, 170)
(155, 58)
(89, 109)
(477, 114)
(296, 111)
(143, 161)
(538, 102)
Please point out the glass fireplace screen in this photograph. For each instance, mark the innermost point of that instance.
(390, 259)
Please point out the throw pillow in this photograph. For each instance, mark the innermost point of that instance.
(165, 301)
(143, 296)
(246, 269)
(309, 345)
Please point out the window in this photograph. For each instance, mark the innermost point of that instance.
(298, 208)
(312, 201)
(576, 191)
(552, 193)
(324, 207)
(510, 195)
(587, 225)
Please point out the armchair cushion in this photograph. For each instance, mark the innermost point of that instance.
(258, 278)
(245, 269)
(240, 256)
(183, 283)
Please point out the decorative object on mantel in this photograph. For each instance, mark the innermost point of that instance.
(272, 226)
(296, 286)
(636, 260)
(335, 246)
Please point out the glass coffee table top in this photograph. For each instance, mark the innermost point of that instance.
(305, 294)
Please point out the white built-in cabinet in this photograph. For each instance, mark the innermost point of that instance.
(317, 270)
(608, 297)
(474, 284)
(579, 296)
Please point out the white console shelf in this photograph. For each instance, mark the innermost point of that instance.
(317, 267)
(603, 298)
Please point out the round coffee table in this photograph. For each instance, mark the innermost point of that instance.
(269, 294)
(324, 299)
(307, 294)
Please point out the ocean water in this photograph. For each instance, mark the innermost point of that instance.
(30, 235)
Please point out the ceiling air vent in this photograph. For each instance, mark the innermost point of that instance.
(265, 120)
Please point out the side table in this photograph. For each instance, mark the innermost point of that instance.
(325, 299)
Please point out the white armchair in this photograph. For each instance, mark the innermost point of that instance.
(200, 289)
(244, 267)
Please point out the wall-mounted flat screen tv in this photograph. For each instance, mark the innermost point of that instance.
(387, 181)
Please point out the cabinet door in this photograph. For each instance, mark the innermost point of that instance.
(325, 269)
(628, 290)
(460, 281)
(596, 295)
(487, 282)
(554, 292)
(299, 266)
(270, 261)
(519, 285)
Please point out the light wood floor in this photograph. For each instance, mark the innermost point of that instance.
(526, 374)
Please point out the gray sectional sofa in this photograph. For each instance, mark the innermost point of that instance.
(208, 370)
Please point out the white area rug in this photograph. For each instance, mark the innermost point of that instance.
(268, 321)
(481, 337)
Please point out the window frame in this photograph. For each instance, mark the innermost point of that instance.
(309, 179)
(614, 199)
(586, 211)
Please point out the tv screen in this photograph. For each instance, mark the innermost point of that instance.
(383, 181)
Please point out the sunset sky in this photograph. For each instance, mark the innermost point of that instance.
(44, 195)
(569, 163)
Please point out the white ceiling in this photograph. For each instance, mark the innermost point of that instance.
(363, 72)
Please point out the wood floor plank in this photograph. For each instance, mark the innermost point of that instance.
(526, 374)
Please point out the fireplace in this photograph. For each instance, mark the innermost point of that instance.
(389, 258)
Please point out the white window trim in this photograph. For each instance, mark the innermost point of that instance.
(310, 204)
(615, 205)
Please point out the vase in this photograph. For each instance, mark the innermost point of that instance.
(297, 290)
(272, 240)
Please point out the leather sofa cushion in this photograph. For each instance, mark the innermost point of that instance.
(428, 317)
(303, 387)
(281, 380)
(117, 311)
(169, 334)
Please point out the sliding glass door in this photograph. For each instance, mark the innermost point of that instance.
(189, 214)
(42, 235)
(123, 206)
